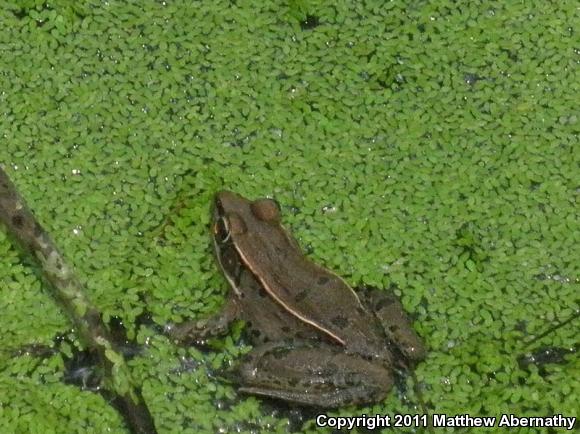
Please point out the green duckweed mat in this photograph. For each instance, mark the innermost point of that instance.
(428, 145)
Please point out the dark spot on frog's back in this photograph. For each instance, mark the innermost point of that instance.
(323, 280)
(352, 378)
(293, 382)
(327, 371)
(333, 367)
(280, 353)
(301, 296)
(339, 321)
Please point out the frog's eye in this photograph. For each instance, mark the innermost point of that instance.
(228, 225)
(266, 210)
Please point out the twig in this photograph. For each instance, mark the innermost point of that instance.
(68, 291)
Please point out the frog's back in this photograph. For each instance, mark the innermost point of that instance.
(266, 320)
(321, 298)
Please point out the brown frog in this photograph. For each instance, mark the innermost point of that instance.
(316, 342)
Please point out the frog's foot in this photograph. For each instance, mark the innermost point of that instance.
(313, 374)
(198, 332)
(388, 309)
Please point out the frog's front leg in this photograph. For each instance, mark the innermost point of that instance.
(315, 374)
(390, 312)
(197, 332)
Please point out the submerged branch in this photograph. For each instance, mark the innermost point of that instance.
(68, 291)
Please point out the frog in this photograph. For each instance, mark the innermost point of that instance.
(316, 341)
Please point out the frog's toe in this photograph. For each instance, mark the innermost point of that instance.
(186, 333)
(416, 351)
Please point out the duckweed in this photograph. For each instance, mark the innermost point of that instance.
(429, 146)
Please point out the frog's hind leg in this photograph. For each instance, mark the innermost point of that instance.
(197, 332)
(330, 398)
(312, 374)
(397, 326)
